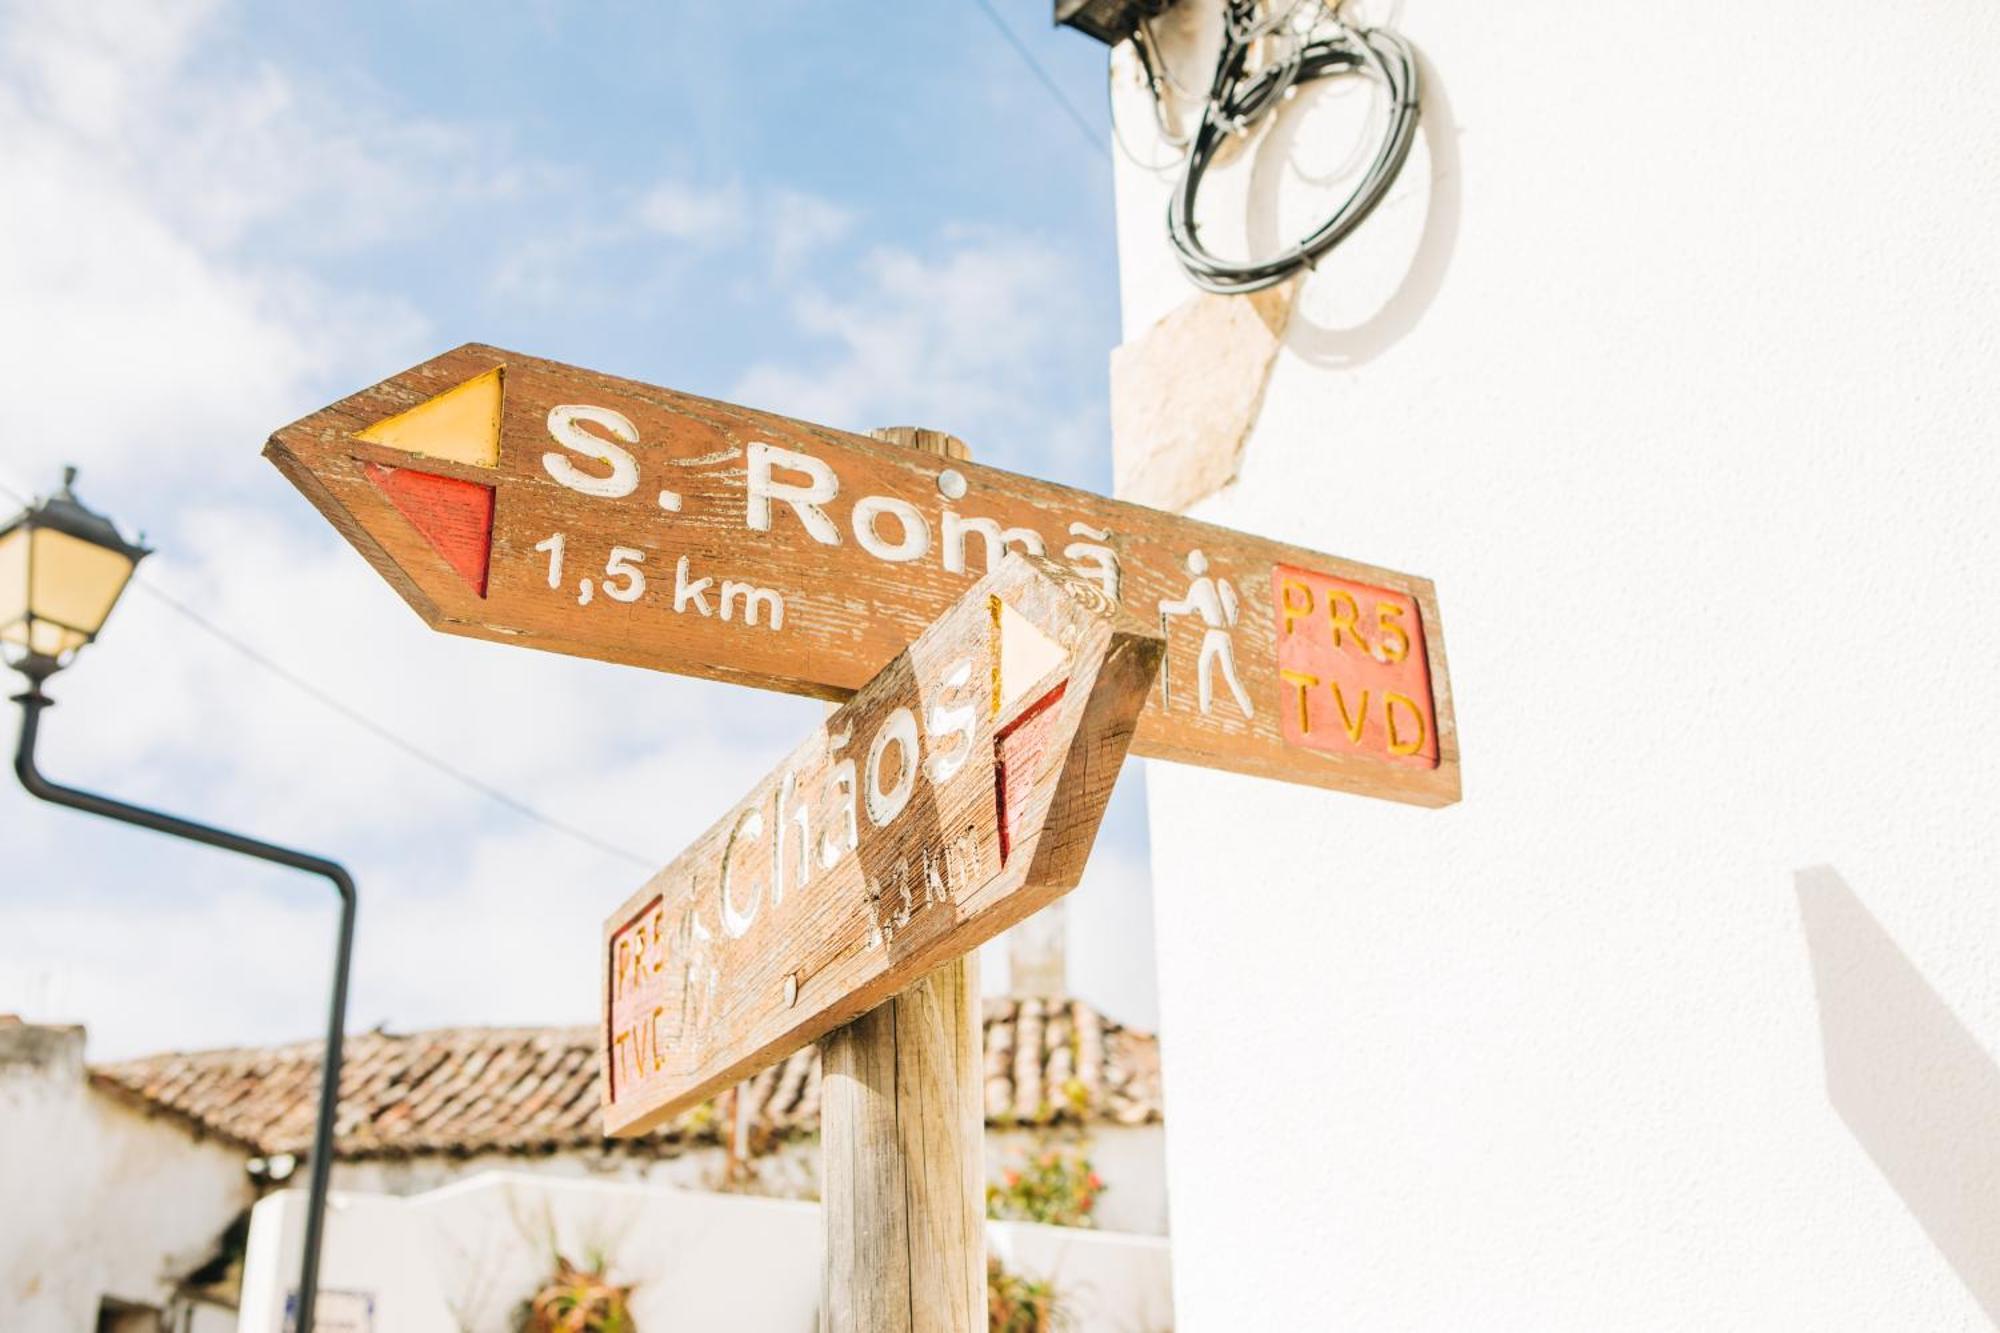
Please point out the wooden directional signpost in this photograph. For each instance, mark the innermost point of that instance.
(999, 643)
(519, 500)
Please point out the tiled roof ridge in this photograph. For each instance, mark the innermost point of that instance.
(523, 1089)
(310, 1046)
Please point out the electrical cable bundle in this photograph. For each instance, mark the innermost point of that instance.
(1238, 99)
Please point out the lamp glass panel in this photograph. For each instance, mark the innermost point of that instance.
(14, 585)
(73, 582)
(53, 640)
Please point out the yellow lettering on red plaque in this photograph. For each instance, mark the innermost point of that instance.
(1346, 691)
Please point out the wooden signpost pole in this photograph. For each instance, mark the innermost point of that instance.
(902, 1174)
(902, 1138)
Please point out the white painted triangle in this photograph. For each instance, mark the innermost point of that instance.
(1023, 656)
(460, 425)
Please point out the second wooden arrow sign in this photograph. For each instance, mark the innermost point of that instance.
(958, 792)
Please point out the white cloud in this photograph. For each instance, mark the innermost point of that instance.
(149, 974)
(512, 939)
(685, 212)
(91, 65)
(800, 226)
(646, 239)
(138, 342)
(222, 145)
(970, 341)
(558, 266)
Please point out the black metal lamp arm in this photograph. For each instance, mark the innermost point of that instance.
(33, 702)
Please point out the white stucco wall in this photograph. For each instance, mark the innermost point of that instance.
(1130, 1159)
(790, 1171)
(96, 1200)
(463, 1258)
(1674, 360)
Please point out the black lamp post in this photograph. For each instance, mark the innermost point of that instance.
(62, 569)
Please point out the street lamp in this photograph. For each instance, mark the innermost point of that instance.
(62, 569)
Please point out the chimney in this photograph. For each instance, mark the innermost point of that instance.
(49, 1050)
(1036, 966)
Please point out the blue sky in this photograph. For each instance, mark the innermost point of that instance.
(222, 216)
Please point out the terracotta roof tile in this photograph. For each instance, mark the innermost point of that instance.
(525, 1090)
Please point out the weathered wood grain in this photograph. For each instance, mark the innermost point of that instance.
(902, 1188)
(639, 525)
(956, 793)
(864, 1210)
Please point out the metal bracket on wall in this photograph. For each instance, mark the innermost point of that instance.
(1109, 21)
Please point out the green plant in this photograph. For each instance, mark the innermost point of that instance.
(1017, 1304)
(1054, 1185)
(578, 1300)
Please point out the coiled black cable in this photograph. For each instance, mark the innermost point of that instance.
(1238, 98)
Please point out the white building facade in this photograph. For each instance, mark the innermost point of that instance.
(103, 1209)
(1674, 359)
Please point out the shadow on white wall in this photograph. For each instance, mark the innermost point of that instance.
(1356, 325)
(1912, 1083)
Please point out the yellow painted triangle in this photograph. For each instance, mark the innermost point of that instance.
(1023, 656)
(460, 425)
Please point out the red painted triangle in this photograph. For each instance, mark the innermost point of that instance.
(1017, 751)
(456, 517)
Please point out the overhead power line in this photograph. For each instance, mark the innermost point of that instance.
(1047, 81)
(368, 724)
(384, 734)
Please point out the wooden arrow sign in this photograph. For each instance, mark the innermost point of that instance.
(956, 793)
(527, 502)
